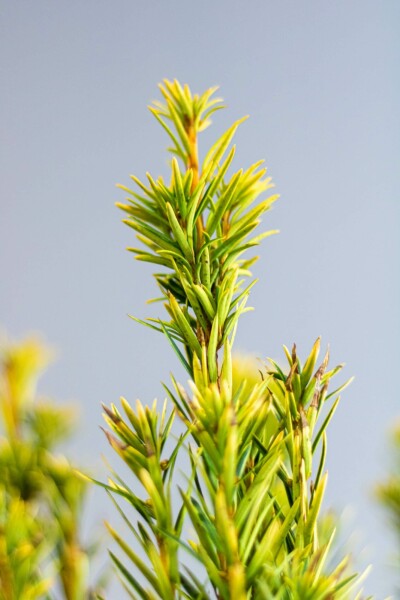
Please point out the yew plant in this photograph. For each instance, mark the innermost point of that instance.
(42, 556)
(242, 522)
(388, 495)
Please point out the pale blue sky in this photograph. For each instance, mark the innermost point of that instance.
(321, 83)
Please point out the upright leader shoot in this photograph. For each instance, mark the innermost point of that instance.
(249, 510)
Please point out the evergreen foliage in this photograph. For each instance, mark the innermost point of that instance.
(41, 493)
(388, 494)
(248, 511)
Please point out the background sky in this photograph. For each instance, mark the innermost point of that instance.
(320, 81)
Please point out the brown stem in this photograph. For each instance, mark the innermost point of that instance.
(193, 157)
(193, 163)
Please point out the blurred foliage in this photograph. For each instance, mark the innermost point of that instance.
(249, 507)
(41, 493)
(388, 493)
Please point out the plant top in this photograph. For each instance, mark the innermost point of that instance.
(198, 227)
